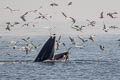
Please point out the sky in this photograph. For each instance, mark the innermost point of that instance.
(79, 10)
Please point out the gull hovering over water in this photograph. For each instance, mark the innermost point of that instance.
(101, 47)
(72, 40)
(74, 43)
(26, 40)
(92, 37)
(28, 46)
(58, 43)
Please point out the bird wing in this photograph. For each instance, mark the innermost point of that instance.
(23, 18)
(73, 20)
(101, 15)
(59, 38)
(70, 3)
(72, 40)
(81, 38)
(64, 14)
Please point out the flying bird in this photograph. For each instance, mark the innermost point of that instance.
(23, 16)
(73, 20)
(66, 17)
(9, 25)
(111, 14)
(77, 28)
(101, 15)
(114, 27)
(105, 28)
(83, 40)
(72, 40)
(101, 47)
(91, 23)
(58, 43)
(11, 10)
(70, 3)
(92, 37)
(53, 4)
(43, 16)
(26, 40)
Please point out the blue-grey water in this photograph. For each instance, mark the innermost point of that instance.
(89, 63)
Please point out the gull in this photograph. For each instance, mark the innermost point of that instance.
(73, 20)
(114, 27)
(23, 16)
(92, 37)
(101, 15)
(35, 46)
(15, 23)
(76, 45)
(26, 24)
(9, 25)
(26, 48)
(66, 17)
(26, 40)
(92, 23)
(70, 3)
(83, 40)
(111, 14)
(72, 40)
(43, 16)
(53, 4)
(11, 10)
(14, 44)
(63, 44)
(105, 28)
(30, 43)
(101, 47)
(77, 28)
(58, 43)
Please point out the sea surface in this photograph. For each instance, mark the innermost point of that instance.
(89, 63)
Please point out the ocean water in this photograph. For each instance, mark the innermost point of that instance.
(89, 63)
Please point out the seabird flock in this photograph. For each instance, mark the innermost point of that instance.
(90, 23)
